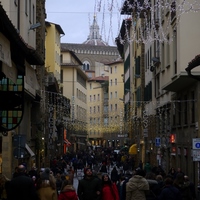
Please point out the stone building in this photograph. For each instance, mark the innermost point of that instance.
(99, 61)
(171, 97)
(18, 82)
(94, 49)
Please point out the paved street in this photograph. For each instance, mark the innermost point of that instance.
(75, 183)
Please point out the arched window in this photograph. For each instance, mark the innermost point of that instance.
(86, 65)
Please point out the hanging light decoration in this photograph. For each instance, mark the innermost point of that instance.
(153, 14)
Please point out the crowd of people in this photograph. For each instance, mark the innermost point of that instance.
(108, 177)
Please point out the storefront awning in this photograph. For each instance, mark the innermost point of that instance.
(29, 150)
(133, 149)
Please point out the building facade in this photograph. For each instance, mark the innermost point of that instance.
(18, 39)
(96, 57)
(170, 96)
(106, 105)
(74, 87)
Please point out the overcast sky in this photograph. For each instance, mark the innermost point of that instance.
(75, 17)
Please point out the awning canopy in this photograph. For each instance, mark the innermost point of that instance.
(133, 149)
(32, 154)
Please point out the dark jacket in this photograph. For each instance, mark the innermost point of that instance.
(114, 175)
(87, 188)
(103, 169)
(152, 193)
(22, 188)
(185, 191)
(170, 193)
(121, 186)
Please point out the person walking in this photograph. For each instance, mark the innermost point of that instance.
(183, 187)
(109, 189)
(147, 167)
(140, 165)
(21, 187)
(67, 192)
(121, 186)
(46, 186)
(169, 191)
(191, 186)
(137, 186)
(103, 168)
(172, 172)
(89, 188)
(114, 175)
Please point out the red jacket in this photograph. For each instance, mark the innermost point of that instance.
(110, 192)
(68, 193)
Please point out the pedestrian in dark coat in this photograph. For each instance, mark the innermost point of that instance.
(172, 172)
(121, 186)
(114, 175)
(103, 168)
(169, 192)
(89, 188)
(153, 185)
(191, 186)
(160, 185)
(140, 165)
(22, 187)
(183, 187)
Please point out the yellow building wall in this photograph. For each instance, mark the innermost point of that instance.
(116, 101)
(53, 52)
(95, 127)
(73, 90)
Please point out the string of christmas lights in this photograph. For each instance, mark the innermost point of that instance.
(116, 119)
(156, 18)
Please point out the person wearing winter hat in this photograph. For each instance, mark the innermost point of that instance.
(46, 186)
(89, 188)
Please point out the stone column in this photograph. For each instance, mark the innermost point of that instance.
(7, 155)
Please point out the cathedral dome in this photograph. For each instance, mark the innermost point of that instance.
(95, 38)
